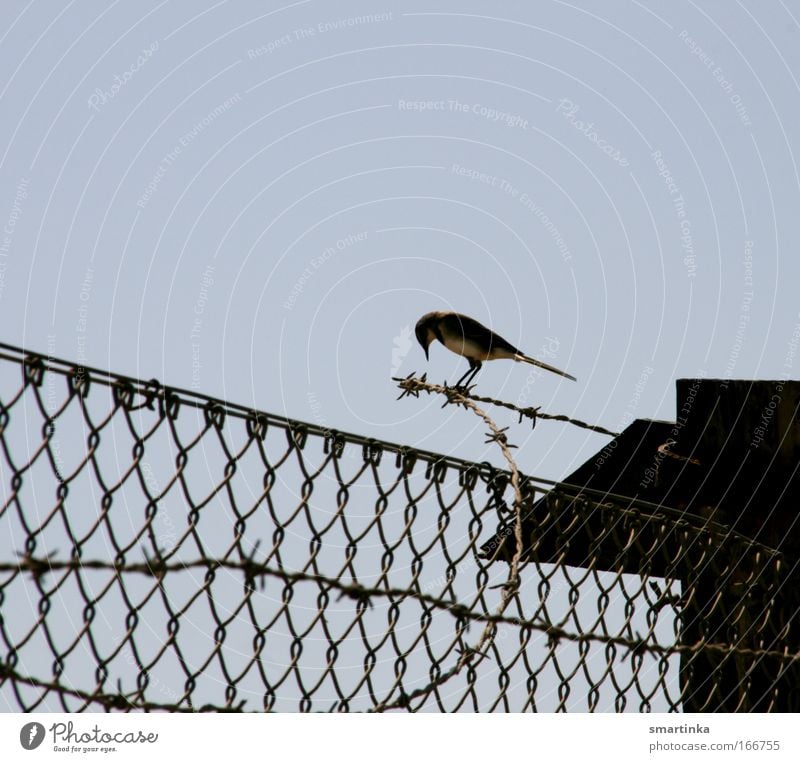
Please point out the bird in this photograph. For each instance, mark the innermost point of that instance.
(467, 337)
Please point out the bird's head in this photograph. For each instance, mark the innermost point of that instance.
(424, 330)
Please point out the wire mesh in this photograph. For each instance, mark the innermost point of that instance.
(163, 550)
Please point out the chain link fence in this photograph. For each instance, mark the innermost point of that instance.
(160, 549)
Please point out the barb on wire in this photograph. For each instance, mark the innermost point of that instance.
(412, 386)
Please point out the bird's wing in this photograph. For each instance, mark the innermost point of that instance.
(476, 332)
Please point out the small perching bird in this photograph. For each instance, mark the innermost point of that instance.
(468, 338)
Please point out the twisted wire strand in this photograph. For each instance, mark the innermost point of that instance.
(510, 588)
(411, 383)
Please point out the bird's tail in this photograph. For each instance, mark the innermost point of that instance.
(539, 363)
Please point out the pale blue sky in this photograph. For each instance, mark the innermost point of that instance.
(306, 139)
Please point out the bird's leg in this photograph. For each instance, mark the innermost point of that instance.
(464, 381)
(457, 384)
(474, 373)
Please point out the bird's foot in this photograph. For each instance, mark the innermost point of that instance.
(465, 389)
(456, 395)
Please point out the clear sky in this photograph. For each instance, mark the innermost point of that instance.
(258, 200)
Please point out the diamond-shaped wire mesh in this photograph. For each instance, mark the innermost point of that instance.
(161, 549)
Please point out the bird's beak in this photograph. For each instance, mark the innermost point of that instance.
(426, 353)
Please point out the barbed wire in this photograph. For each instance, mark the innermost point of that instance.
(253, 570)
(108, 701)
(512, 584)
(413, 384)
